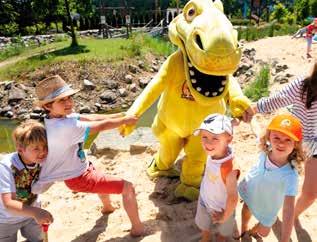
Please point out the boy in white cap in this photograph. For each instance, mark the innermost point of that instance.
(66, 160)
(218, 190)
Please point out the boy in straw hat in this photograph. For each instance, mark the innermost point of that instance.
(66, 161)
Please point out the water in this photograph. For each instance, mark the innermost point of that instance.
(7, 127)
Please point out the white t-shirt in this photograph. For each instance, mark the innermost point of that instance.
(8, 185)
(66, 158)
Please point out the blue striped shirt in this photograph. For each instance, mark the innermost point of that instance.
(292, 95)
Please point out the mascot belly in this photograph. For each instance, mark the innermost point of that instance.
(192, 83)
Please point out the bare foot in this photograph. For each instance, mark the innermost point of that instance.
(108, 209)
(137, 231)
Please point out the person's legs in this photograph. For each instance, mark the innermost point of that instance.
(309, 190)
(106, 202)
(245, 218)
(309, 43)
(131, 207)
(32, 231)
(203, 221)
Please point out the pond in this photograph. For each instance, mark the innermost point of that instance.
(7, 127)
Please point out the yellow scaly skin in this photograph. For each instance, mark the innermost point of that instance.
(193, 82)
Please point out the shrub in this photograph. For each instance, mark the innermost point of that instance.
(260, 86)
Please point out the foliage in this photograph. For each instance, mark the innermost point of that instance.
(301, 9)
(279, 12)
(313, 7)
(260, 86)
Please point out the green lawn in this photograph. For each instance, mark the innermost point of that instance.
(105, 50)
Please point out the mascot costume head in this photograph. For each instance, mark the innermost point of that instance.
(193, 82)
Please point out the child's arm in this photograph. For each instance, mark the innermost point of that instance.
(16, 207)
(232, 197)
(288, 218)
(99, 117)
(96, 126)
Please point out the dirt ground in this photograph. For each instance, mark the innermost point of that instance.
(78, 217)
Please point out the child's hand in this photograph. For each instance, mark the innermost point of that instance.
(218, 217)
(43, 217)
(130, 120)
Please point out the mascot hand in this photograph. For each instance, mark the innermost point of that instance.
(125, 129)
(239, 105)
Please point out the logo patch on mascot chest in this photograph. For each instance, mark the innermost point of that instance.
(186, 93)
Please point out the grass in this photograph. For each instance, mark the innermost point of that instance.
(273, 29)
(105, 50)
(260, 86)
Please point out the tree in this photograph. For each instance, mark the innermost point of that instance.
(301, 9)
(72, 29)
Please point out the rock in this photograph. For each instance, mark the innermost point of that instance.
(143, 82)
(22, 111)
(8, 85)
(133, 69)
(5, 110)
(133, 87)
(35, 116)
(128, 79)
(16, 94)
(280, 68)
(84, 109)
(141, 64)
(281, 79)
(109, 143)
(37, 110)
(111, 84)
(154, 68)
(98, 106)
(108, 96)
(123, 92)
(8, 114)
(88, 85)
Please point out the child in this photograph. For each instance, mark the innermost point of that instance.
(310, 31)
(273, 181)
(19, 207)
(218, 190)
(66, 161)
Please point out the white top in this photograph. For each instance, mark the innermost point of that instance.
(7, 185)
(213, 190)
(66, 158)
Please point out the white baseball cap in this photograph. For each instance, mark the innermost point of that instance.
(216, 123)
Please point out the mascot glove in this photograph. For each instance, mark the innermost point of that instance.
(125, 130)
(239, 105)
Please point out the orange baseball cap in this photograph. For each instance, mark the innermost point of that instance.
(287, 124)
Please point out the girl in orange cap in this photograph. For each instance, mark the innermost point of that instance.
(273, 182)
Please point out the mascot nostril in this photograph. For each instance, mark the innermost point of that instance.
(198, 42)
(191, 84)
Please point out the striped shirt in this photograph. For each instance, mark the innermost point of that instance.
(292, 95)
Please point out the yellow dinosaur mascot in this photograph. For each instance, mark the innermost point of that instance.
(193, 82)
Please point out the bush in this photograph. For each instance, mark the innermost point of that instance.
(8, 29)
(279, 12)
(260, 86)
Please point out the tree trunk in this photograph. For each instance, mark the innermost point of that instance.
(73, 34)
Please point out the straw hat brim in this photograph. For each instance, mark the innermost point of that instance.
(64, 94)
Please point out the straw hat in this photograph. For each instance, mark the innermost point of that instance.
(287, 124)
(51, 89)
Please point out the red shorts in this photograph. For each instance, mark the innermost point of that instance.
(93, 181)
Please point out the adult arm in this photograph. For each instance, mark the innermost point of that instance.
(286, 96)
(18, 208)
(288, 218)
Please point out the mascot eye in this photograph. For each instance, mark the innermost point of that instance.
(191, 14)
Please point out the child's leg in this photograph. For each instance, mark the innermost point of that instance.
(245, 218)
(8, 232)
(309, 43)
(107, 207)
(205, 236)
(131, 207)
